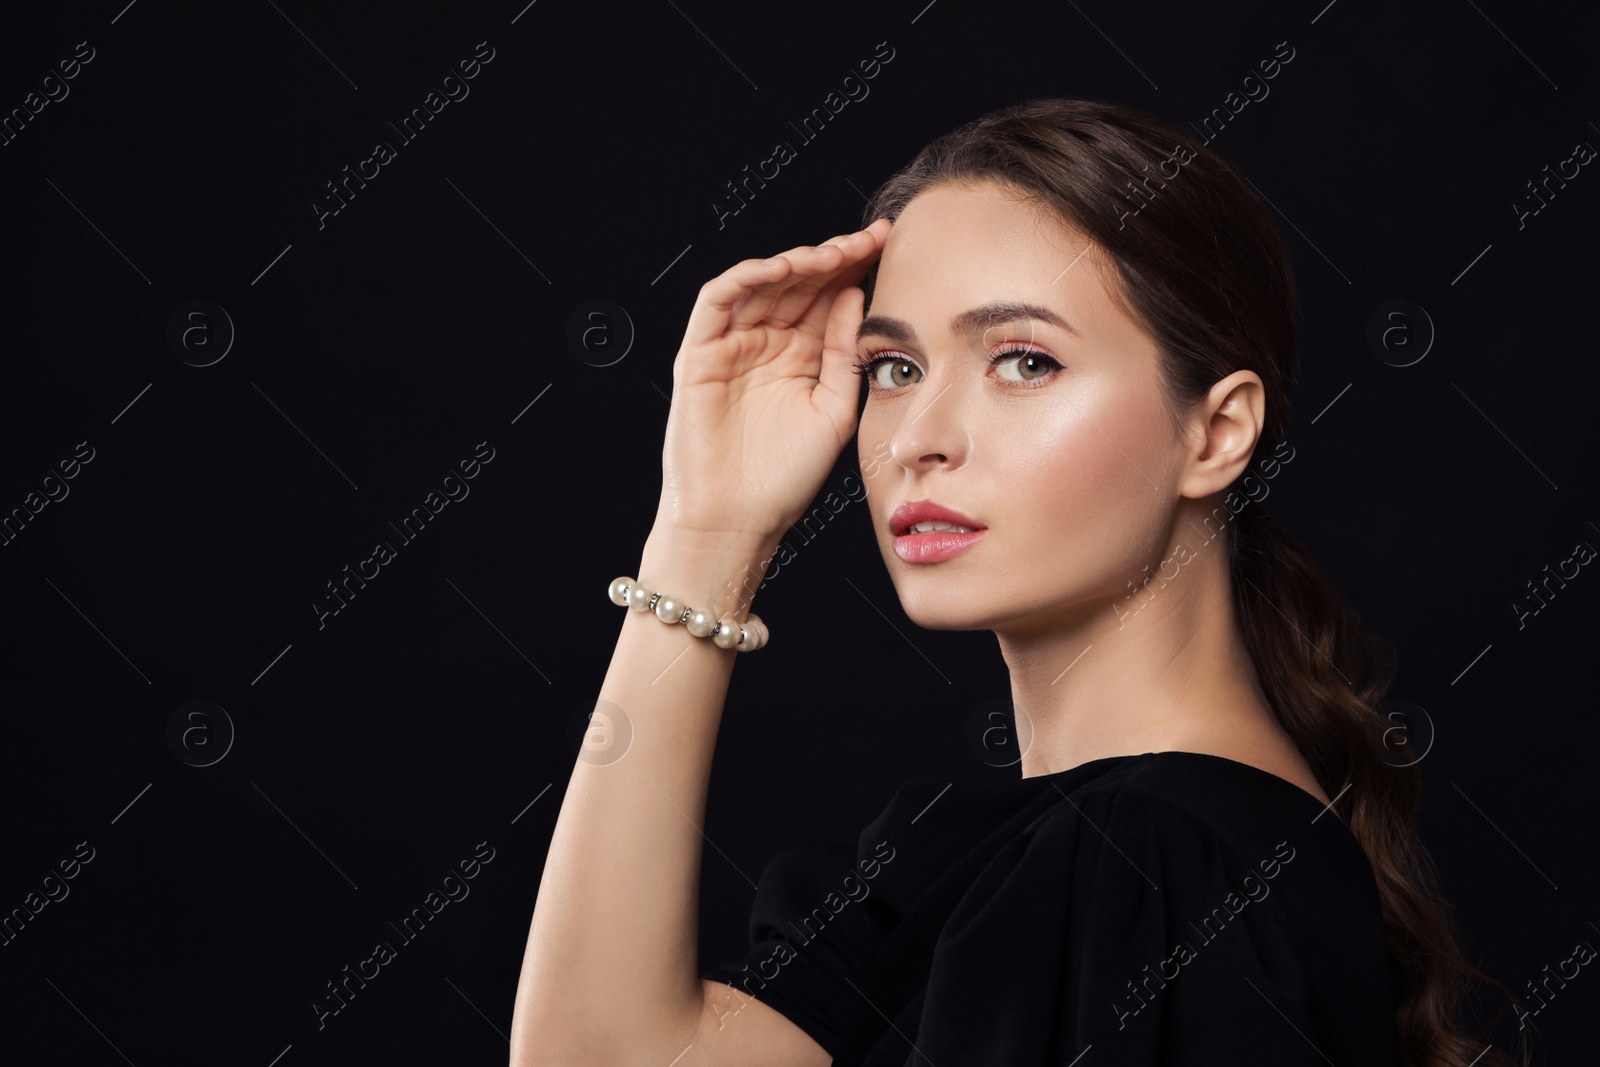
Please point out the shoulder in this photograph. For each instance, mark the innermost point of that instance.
(1221, 895)
(1199, 791)
(1204, 821)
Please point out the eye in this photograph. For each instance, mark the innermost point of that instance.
(867, 367)
(1041, 365)
(1029, 361)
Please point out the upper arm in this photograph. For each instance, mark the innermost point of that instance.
(737, 1029)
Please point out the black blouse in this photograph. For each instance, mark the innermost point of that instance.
(1161, 908)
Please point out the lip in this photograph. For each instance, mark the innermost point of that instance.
(932, 547)
(910, 512)
(935, 547)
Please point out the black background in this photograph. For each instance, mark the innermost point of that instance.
(375, 352)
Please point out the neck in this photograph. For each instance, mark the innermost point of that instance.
(1159, 665)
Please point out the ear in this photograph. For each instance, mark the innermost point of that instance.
(1223, 426)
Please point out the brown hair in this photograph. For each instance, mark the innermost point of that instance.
(1202, 267)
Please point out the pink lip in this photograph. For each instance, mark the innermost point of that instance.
(936, 546)
(909, 513)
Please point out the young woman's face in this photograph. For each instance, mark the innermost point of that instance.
(1072, 472)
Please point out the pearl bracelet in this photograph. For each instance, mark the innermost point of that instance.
(627, 592)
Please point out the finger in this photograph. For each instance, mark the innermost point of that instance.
(780, 303)
(862, 247)
(813, 266)
(709, 317)
(729, 300)
(713, 309)
(838, 388)
(794, 303)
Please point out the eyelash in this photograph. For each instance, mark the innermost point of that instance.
(867, 364)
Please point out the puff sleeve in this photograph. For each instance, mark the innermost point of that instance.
(809, 936)
(1121, 923)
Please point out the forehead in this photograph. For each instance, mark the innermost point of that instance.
(956, 247)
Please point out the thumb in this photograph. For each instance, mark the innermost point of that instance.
(838, 390)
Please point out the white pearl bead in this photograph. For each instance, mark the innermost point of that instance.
(755, 634)
(725, 632)
(728, 633)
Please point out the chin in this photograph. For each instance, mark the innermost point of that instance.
(940, 605)
(941, 620)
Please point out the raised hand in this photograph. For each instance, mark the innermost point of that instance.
(763, 398)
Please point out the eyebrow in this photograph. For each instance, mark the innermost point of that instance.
(967, 322)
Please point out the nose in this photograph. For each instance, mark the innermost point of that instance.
(932, 433)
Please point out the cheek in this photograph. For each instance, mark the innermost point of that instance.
(872, 458)
(1104, 437)
(873, 431)
(1080, 472)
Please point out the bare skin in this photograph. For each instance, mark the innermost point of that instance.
(1080, 479)
(763, 403)
(1082, 483)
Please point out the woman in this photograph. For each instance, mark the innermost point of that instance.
(1078, 364)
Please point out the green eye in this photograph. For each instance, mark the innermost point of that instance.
(868, 369)
(1043, 365)
(1037, 363)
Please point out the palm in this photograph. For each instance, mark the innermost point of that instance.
(763, 398)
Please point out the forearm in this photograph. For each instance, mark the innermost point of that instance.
(611, 960)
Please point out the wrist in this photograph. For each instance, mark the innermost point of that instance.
(719, 573)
